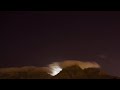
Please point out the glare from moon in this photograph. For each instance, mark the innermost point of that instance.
(55, 69)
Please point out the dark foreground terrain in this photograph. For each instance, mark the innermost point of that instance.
(72, 72)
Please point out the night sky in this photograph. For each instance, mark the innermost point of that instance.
(38, 38)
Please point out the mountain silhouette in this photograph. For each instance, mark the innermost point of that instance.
(71, 72)
(75, 72)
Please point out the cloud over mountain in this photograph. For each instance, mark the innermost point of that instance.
(56, 67)
(68, 69)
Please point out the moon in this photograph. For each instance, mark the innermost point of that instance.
(55, 69)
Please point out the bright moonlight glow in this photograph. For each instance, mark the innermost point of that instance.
(55, 69)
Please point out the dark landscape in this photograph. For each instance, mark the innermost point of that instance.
(59, 44)
(69, 72)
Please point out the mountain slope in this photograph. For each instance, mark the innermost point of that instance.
(75, 72)
(71, 72)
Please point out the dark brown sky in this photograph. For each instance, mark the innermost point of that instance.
(41, 37)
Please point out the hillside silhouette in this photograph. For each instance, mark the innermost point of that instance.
(75, 72)
(71, 72)
(24, 73)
